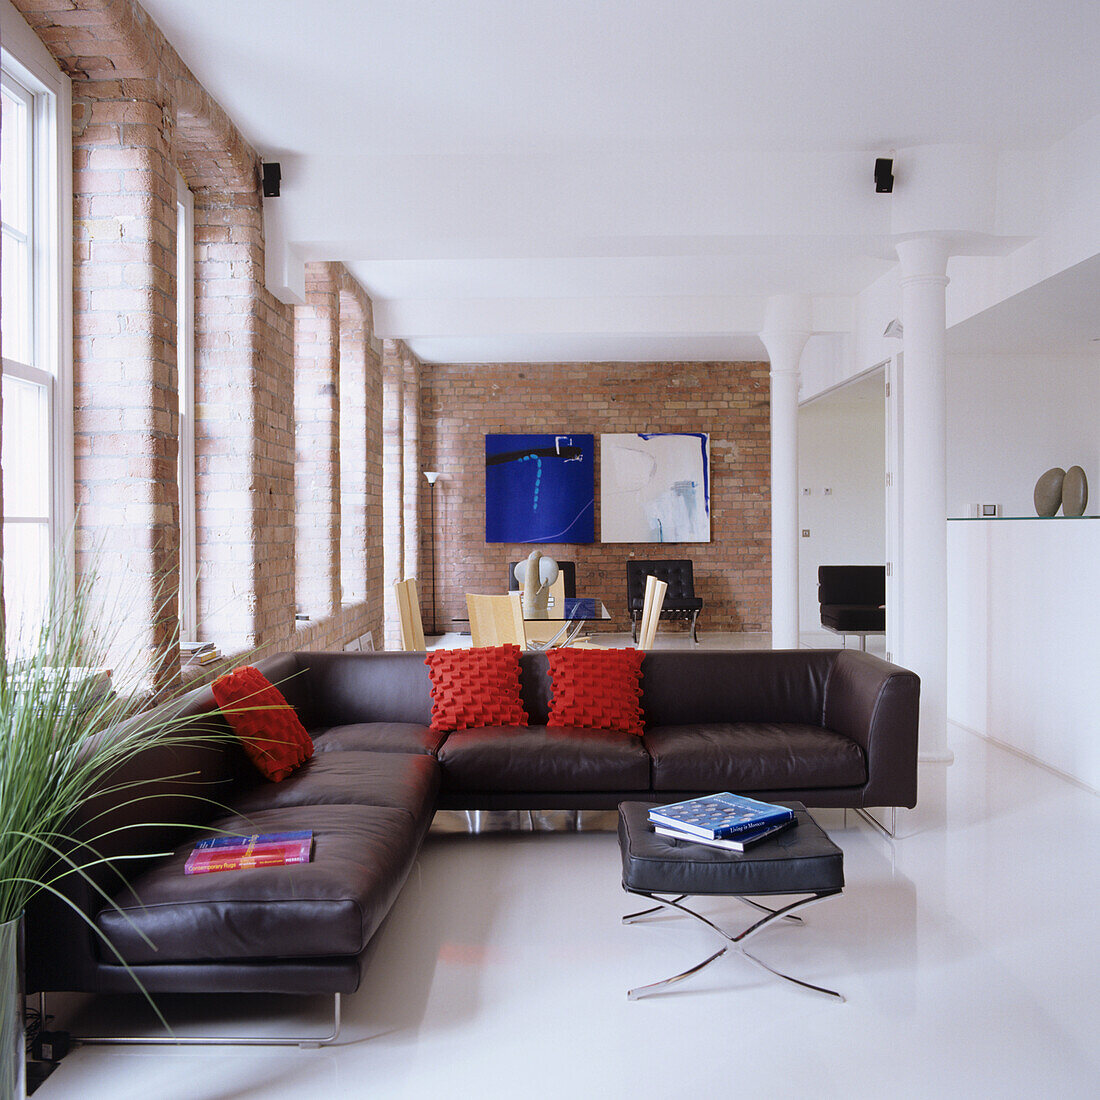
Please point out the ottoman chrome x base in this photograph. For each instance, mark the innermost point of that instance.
(803, 860)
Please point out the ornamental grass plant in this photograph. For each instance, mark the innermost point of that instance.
(65, 730)
(58, 695)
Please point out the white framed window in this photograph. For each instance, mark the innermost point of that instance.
(35, 315)
(185, 369)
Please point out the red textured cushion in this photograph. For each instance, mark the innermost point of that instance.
(475, 687)
(276, 742)
(598, 689)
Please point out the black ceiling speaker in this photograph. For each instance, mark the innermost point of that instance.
(273, 173)
(884, 176)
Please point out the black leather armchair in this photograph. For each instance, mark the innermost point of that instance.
(680, 599)
(853, 599)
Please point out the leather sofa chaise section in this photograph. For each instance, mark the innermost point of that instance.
(824, 727)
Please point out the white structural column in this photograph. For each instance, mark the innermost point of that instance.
(787, 327)
(922, 564)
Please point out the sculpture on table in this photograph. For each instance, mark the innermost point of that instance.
(536, 575)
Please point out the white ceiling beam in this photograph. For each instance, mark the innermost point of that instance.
(722, 348)
(699, 195)
(552, 246)
(408, 319)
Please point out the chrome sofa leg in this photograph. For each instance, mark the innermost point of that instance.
(306, 1042)
(888, 831)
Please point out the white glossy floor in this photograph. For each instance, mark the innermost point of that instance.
(967, 950)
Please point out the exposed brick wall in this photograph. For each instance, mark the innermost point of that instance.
(365, 540)
(393, 506)
(272, 500)
(376, 578)
(360, 456)
(355, 408)
(139, 115)
(317, 443)
(124, 361)
(413, 484)
(461, 404)
(226, 353)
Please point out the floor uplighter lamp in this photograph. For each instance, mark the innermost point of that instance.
(432, 476)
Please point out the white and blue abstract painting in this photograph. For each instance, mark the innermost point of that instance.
(655, 487)
(540, 488)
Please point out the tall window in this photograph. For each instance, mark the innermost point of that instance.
(185, 362)
(36, 210)
(34, 481)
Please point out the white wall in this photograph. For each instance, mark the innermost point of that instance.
(827, 362)
(1023, 647)
(842, 447)
(1011, 418)
(831, 359)
(1023, 644)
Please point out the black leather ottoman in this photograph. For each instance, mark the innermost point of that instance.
(802, 860)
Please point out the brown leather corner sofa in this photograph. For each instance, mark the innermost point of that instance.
(825, 727)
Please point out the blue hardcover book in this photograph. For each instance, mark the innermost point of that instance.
(255, 839)
(718, 815)
(739, 843)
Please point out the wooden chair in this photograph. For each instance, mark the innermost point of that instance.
(651, 611)
(496, 620)
(408, 611)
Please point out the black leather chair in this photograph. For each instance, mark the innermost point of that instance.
(680, 599)
(568, 572)
(853, 599)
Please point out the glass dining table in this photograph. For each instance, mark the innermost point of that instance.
(570, 615)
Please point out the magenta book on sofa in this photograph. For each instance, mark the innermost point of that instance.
(243, 853)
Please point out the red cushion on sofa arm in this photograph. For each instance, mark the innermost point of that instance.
(268, 726)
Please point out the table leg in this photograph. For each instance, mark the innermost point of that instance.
(735, 940)
(569, 630)
(630, 918)
(641, 991)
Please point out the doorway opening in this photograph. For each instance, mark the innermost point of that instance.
(842, 464)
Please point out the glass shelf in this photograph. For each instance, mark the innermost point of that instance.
(1014, 519)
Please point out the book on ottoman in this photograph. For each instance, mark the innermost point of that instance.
(717, 816)
(737, 843)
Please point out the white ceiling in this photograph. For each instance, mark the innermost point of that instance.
(475, 161)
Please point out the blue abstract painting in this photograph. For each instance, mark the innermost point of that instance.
(540, 488)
